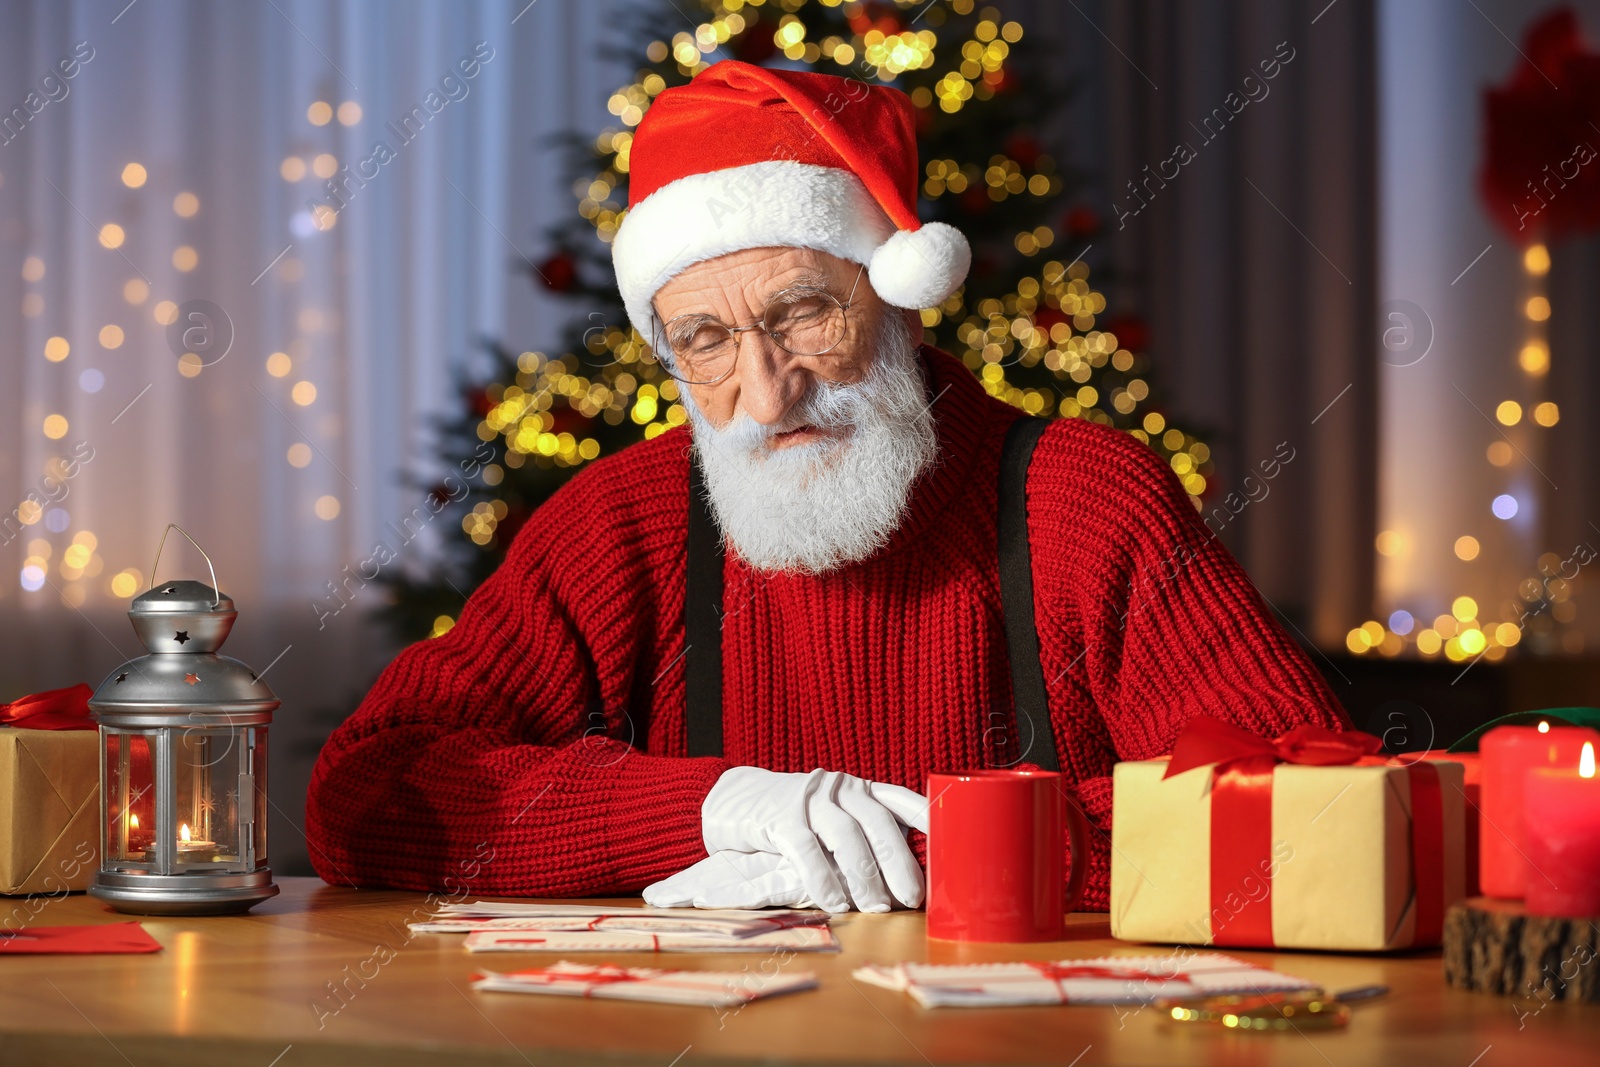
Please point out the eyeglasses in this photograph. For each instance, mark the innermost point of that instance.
(803, 321)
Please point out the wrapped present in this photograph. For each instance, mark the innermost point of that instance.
(49, 793)
(1309, 840)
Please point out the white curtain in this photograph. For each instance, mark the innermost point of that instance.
(222, 106)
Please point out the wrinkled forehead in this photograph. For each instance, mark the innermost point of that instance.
(740, 286)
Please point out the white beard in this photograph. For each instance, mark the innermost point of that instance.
(816, 507)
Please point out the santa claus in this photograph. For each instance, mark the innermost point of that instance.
(719, 666)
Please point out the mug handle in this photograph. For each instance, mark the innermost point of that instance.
(1078, 855)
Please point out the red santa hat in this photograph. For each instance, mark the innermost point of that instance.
(749, 157)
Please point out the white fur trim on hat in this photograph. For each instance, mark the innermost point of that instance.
(779, 203)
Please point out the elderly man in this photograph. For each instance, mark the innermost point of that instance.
(719, 666)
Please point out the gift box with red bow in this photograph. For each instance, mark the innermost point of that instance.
(1310, 840)
(49, 793)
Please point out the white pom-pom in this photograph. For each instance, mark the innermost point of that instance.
(919, 268)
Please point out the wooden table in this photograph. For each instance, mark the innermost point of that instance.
(321, 975)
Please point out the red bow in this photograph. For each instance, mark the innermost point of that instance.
(55, 709)
(1207, 740)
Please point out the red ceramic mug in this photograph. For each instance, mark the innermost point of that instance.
(997, 856)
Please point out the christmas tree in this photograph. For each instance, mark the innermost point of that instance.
(1027, 323)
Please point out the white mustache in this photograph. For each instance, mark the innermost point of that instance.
(825, 406)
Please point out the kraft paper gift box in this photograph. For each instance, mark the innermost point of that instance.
(49, 793)
(1363, 855)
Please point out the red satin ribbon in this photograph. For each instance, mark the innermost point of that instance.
(1427, 850)
(1207, 740)
(1241, 819)
(55, 709)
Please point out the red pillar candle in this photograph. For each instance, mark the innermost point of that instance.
(1563, 827)
(1507, 754)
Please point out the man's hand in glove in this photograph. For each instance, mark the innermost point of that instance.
(842, 836)
(729, 879)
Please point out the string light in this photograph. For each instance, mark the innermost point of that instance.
(1461, 637)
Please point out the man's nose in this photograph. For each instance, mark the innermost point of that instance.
(770, 383)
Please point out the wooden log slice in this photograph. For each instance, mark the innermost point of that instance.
(1495, 946)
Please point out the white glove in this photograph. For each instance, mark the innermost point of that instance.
(810, 819)
(731, 879)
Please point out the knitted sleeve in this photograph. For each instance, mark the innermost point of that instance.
(480, 761)
(1146, 620)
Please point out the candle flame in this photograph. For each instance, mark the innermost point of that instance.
(1544, 727)
(1586, 761)
(133, 821)
(183, 832)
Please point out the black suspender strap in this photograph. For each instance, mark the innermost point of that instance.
(702, 610)
(703, 607)
(1016, 595)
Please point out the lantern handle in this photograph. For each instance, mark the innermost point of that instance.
(215, 590)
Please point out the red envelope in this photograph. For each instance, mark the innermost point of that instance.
(78, 940)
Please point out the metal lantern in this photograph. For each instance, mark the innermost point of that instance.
(183, 769)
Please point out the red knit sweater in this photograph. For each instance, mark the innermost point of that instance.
(537, 748)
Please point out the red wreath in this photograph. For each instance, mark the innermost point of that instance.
(1541, 162)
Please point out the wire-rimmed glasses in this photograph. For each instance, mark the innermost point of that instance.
(803, 321)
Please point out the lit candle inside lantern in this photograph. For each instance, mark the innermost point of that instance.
(1507, 754)
(138, 840)
(1563, 807)
(191, 850)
